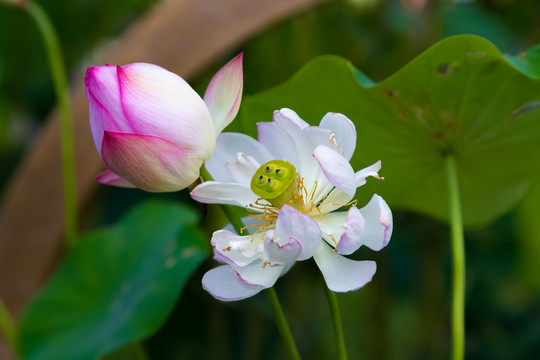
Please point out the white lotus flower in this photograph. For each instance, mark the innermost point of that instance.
(293, 180)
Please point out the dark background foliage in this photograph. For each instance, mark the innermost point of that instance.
(404, 312)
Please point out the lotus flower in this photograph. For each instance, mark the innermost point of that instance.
(151, 129)
(293, 181)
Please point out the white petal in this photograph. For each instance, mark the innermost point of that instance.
(344, 130)
(342, 274)
(354, 226)
(281, 254)
(334, 200)
(213, 192)
(301, 227)
(257, 274)
(307, 166)
(336, 168)
(224, 284)
(276, 140)
(234, 249)
(320, 136)
(228, 146)
(378, 219)
(371, 170)
(290, 115)
(345, 228)
(242, 170)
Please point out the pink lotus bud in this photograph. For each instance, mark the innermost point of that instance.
(151, 129)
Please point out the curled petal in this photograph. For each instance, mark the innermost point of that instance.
(378, 219)
(301, 227)
(224, 93)
(213, 192)
(344, 131)
(336, 168)
(109, 178)
(281, 254)
(342, 274)
(234, 249)
(345, 228)
(224, 284)
(148, 162)
(354, 227)
(371, 170)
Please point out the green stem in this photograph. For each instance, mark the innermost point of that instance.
(271, 295)
(58, 72)
(336, 322)
(8, 328)
(281, 323)
(458, 261)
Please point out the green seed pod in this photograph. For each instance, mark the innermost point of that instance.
(275, 181)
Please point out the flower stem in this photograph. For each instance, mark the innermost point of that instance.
(271, 295)
(281, 323)
(58, 72)
(458, 261)
(8, 327)
(336, 322)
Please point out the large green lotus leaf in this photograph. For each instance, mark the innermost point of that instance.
(460, 97)
(115, 286)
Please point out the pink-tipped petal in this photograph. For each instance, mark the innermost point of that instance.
(213, 192)
(378, 219)
(158, 102)
(301, 227)
(336, 168)
(109, 178)
(371, 170)
(344, 131)
(354, 227)
(104, 102)
(224, 284)
(148, 162)
(342, 274)
(224, 93)
(281, 254)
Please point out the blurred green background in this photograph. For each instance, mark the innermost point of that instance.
(404, 312)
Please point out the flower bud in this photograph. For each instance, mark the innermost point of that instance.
(151, 129)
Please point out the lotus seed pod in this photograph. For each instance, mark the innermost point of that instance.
(275, 181)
